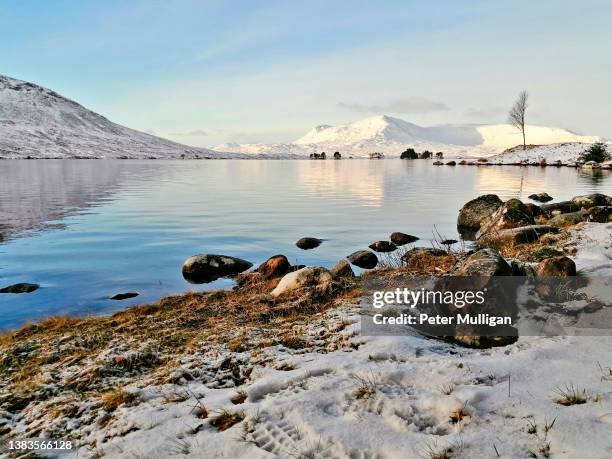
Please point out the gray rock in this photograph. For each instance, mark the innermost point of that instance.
(561, 206)
(402, 238)
(521, 235)
(363, 259)
(317, 278)
(569, 219)
(307, 243)
(590, 200)
(207, 268)
(600, 214)
(20, 288)
(477, 210)
(342, 269)
(541, 197)
(512, 214)
(383, 246)
(556, 267)
(484, 262)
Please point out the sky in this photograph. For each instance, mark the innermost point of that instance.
(209, 72)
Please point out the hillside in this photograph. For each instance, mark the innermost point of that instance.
(393, 135)
(39, 123)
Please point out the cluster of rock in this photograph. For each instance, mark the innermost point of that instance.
(540, 163)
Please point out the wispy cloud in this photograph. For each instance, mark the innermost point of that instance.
(406, 105)
(194, 133)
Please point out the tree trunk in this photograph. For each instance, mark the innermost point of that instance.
(524, 144)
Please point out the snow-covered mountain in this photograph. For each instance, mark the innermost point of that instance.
(37, 122)
(393, 135)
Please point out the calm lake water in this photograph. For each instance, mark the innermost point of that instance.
(85, 230)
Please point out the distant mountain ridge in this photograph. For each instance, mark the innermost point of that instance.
(39, 123)
(391, 135)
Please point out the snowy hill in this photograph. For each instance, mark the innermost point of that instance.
(39, 123)
(393, 135)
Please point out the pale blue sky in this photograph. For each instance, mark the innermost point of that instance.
(206, 72)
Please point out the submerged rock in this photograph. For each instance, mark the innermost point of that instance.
(512, 214)
(402, 238)
(124, 296)
(275, 266)
(363, 259)
(307, 243)
(314, 277)
(541, 197)
(383, 246)
(474, 212)
(22, 287)
(207, 268)
(556, 267)
(342, 269)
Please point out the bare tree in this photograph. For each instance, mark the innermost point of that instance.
(516, 117)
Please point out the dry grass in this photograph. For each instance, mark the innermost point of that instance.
(156, 334)
(568, 395)
(239, 397)
(113, 399)
(226, 419)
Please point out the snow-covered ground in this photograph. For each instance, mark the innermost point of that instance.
(391, 136)
(389, 397)
(567, 153)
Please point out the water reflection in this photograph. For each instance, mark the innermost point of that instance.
(107, 227)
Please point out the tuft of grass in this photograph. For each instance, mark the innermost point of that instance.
(447, 389)
(115, 398)
(569, 395)
(226, 419)
(239, 397)
(459, 415)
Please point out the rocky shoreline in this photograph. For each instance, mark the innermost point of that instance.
(213, 359)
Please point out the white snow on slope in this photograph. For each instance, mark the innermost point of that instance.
(37, 122)
(392, 135)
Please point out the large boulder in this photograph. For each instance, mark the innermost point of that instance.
(275, 266)
(521, 235)
(556, 267)
(22, 287)
(512, 214)
(590, 200)
(569, 219)
(342, 269)
(541, 197)
(382, 246)
(307, 243)
(484, 262)
(207, 267)
(474, 212)
(363, 259)
(402, 238)
(319, 279)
